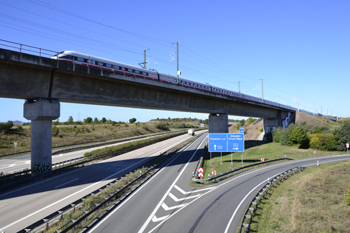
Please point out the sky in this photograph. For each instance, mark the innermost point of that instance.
(300, 49)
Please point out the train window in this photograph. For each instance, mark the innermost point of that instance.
(96, 63)
(80, 59)
(104, 64)
(91, 62)
(109, 66)
(67, 57)
(146, 74)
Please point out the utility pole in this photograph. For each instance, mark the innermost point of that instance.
(262, 89)
(177, 61)
(144, 58)
(321, 109)
(313, 107)
(239, 86)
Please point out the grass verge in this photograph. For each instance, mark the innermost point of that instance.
(311, 201)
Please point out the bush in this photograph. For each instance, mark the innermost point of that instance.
(298, 136)
(55, 131)
(162, 126)
(276, 134)
(132, 120)
(5, 127)
(250, 121)
(241, 123)
(347, 198)
(19, 127)
(284, 136)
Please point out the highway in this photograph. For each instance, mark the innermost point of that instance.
(167, 203)
(19, 163)
(24, 206)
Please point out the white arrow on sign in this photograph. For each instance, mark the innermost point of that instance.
(200, 169)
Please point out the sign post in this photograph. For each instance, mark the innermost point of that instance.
(347, 148)
(15, 143)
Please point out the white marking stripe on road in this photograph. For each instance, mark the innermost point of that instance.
(66, 183)
(195, 191)
(12, 165)
(140, 154)
(81, 190)
(27, 162)
(166, 208)
(155, 219)
(168, 191)
(144, 185)
(182, 199)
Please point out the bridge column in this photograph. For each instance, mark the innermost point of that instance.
(218, 123)
(41, 112)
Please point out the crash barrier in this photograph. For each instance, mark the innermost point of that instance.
(17, 178)
(93, 144)
(46, 222)
(241, 169)
(271, 182)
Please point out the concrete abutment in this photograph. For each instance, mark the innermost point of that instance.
(41, 112)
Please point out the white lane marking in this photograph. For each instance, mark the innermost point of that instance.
(38, 211)
(168, 191)
(66, 183)
(167, 208)
(60, 155)
(155, 219)
(27, 162)
(195, 191)
(140, 154)
(12, 165)
(138, 190)
(214, 188)
(239, 205)
(182, 199)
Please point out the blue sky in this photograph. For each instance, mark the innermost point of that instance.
(296, 47)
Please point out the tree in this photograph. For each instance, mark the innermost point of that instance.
(132, 120)
(70, 120)
(298, 136)
(103, 120)
(343, 135)
(88, 120)
(96, 121)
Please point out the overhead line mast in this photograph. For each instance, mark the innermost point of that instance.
(177, 61)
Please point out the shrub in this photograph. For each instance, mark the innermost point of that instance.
(55, 131)
(284, 136)
(162, 126)
(250, 121)
(276, 134)
(347, 198)
(132, 120)
(298, 136)
(19, 127)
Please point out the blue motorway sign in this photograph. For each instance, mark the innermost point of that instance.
(241, 129)
(232, 142)
(235, 142)
(217, 142)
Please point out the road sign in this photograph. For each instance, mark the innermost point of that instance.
(262, 159)
(241, 129)
(200, 175)
(218, 142)
(200, 169)
(213, 173)
(347, 145)
(15, 143)
(314, 152)
(235, 142)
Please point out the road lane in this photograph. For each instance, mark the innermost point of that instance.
(17, 207)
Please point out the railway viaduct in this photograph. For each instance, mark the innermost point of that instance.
(44, 83)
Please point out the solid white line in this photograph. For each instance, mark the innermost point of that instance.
(38, 211)
(27, 162)
(140, 154)
(214, 188)
(168, 191)
(144, 185)
(66, 183)
(12, 165)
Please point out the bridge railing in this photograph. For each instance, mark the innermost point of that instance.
(22, 48)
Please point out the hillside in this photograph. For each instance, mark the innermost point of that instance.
(252, 131)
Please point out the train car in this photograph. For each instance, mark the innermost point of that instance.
(101, 63)
(194, 84)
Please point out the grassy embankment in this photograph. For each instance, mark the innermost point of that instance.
(75, 134)
(311, 201)
(255, 150)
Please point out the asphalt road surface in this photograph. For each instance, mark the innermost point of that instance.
(167, 203)
(24, 206)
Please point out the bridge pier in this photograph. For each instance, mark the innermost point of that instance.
(41, 112)
(218, 123)
(284, 119)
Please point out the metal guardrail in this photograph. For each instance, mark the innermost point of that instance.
(263, 192)
(195, 173)
(94, 144)
(52, 218)
(24, 176)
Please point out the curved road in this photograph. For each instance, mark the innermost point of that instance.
(166, 203)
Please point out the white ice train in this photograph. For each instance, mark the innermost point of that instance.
(102, 63)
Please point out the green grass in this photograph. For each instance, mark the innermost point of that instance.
(310, 201)
(255, 150)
